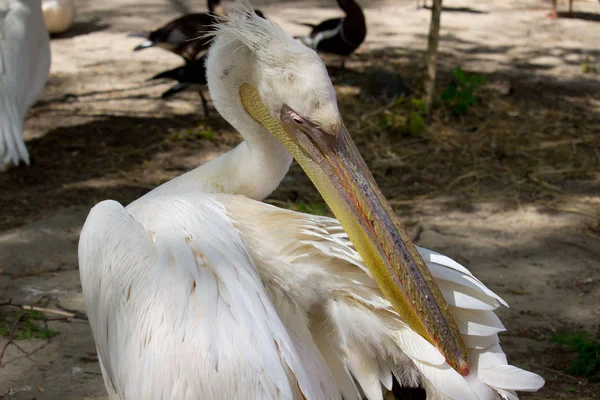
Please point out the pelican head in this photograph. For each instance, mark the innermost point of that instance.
(255, 51)
(260, 77)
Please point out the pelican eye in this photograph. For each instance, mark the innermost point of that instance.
(297, 119)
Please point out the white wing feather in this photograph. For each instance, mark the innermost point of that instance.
(178, 310)
(314, 260)
(24, 68)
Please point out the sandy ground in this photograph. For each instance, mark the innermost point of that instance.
(100, 131)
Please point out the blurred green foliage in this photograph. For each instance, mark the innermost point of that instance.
(460, 95)
(394, 121)
(588, 67)
(312, 208)
(25, 328)
(587, 363)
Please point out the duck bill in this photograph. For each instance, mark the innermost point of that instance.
(144, 45)
(338, 171)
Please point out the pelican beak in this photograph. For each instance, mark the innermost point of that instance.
(336, 168)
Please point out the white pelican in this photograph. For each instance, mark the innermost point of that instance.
(198, 290)
(58, 15)
(24, 69)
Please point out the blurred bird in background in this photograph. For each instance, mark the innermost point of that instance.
(58, 15)
(189, 37)
(185, 35)
(338, 36)
(24, 69)
(191, 76)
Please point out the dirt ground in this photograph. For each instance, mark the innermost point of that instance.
(511, 190)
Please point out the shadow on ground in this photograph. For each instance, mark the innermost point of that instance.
(82, 28)
(584, 16)
(79, 164)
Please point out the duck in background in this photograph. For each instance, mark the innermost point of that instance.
(191, 76)
(24, 70)
(58, 15)
(338, 36)
(186, 35)
(176, 35)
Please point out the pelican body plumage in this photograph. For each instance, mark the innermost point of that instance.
(200, 290)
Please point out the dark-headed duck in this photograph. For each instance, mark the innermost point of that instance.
(340, 36)
(186, 35)
(191, 76)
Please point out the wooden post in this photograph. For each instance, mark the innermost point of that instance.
(432, 50)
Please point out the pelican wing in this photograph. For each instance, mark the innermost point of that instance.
(178, 310)
(24, 68)
(355, 327)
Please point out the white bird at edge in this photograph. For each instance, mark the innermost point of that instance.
(199, 290)
(58, 15)
(24, 69)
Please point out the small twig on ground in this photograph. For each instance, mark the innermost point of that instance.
(469, 174)
(572, 210)
(50, 311)
(22, 308)
(65, 314)
(378, 110)
(588, 232)
(544, 184)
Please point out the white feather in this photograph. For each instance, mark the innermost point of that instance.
(365, 369)
(510, 377)
(507, 394)
(463, 297)
(445, 380)
(480, 342)
(477, 323)
(450, 273)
